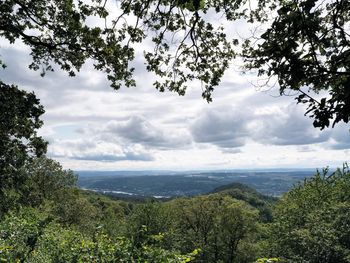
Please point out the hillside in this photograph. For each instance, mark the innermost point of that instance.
(247, 194)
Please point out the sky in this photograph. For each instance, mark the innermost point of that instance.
(90, 126)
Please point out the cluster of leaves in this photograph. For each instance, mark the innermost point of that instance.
(307, 46)
(33, 236)
(58, 32)
(186, 46)
(222, 228)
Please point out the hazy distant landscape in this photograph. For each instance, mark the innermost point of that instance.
(166, 184)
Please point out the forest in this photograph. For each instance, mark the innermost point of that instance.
(304, 48)
(48, 219)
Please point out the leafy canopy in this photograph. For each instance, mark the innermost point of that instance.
(306, 47)
(58, 32)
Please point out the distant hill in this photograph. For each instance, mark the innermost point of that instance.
(245, 193)
(237, 189)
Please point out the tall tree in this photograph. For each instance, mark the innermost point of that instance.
(20, 113)
(217, 224)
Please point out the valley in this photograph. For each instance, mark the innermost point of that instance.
(167, 184)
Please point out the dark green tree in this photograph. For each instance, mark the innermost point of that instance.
(148, 220)
(45, 179)
(312, 221)
(57, 32)
(20, 113)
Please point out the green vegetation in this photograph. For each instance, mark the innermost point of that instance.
(19, 119)
(44, 217)
(53, 221)
(312, 221)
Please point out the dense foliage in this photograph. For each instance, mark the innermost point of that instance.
(55, 222)
(307, 47)
(312, 221)
(20, 113)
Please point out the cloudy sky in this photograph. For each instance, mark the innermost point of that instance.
(92, 127)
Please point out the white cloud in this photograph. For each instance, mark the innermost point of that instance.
(340, 139)
(91, 150)
(225, 127)
(288, 127)
(139, 130)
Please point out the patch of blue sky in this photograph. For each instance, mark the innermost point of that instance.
(64, 132)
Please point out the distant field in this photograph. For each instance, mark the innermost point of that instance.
(166, 184)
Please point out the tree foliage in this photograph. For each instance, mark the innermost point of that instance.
(33, 236)
(220, 226)
(45, 180)
(20, 113)
(312, 221)
(58, 32)
(306, 45)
